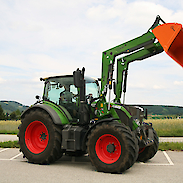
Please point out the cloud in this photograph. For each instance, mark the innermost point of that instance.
(158, 87)
(179, 83)
(137, 85)
(10, 60)
(53, 37)
(2, 80)
(107, 12)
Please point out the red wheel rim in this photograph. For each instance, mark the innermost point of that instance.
(141, 150)
(36, 137)
(108, 148)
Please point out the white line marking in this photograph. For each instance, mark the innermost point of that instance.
(168, 158)
(15, 156)
(170, 163)
(3, 150)
(154, 164)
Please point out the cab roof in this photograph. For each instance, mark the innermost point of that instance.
(87, 78)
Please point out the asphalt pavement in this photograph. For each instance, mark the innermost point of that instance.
(164, 167)
(6, 137)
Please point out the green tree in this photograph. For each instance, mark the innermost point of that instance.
(6, 116)
(18, 114)
(1, 113)
(13, 115)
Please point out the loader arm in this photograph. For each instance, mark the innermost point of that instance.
(108, 57)
(139, 48)
(122, 65)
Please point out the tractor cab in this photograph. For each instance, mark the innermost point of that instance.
(62, 91)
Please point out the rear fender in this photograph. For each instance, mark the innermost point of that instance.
(51, 112)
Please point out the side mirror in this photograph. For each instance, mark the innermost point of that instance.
(79, 77)
(41, 79)
(37, 97)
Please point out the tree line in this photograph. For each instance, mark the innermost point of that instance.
(163, 110)
(15, 115)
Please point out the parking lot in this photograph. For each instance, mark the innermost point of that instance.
(166, 166)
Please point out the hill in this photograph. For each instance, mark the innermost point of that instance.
(163, 110)
(10, 106)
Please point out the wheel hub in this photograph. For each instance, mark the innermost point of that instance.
(43, 136)
(110, 148)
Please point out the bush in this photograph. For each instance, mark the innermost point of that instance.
(2, 116)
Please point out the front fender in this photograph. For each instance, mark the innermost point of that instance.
(89, 130)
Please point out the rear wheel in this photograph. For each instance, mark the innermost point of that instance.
(112, 147)
(149, 152)
(40, 138)
(36, 137)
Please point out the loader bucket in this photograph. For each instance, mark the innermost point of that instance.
(170, 36)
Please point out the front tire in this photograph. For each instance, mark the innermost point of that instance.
(39, 138)
(149, 152)
(112, 147)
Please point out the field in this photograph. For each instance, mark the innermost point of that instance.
(167, 127)
(163, 127)
(9, 127)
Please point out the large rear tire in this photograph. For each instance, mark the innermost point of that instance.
(149, 152)
(39, 138)
(112, 147)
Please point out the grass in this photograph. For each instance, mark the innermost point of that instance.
(9, 126)
(163, 146)
(173, 146)
(163, 127)
(9, 144)
(167, 127)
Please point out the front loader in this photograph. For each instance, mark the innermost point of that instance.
(75, 118)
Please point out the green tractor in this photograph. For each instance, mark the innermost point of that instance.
(74, 117)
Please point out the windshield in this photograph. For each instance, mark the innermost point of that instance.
(61, 90)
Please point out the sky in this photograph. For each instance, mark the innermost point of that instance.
(40, 38)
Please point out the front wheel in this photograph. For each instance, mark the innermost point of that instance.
(149, 152)
(39, 138)
(112, 147)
